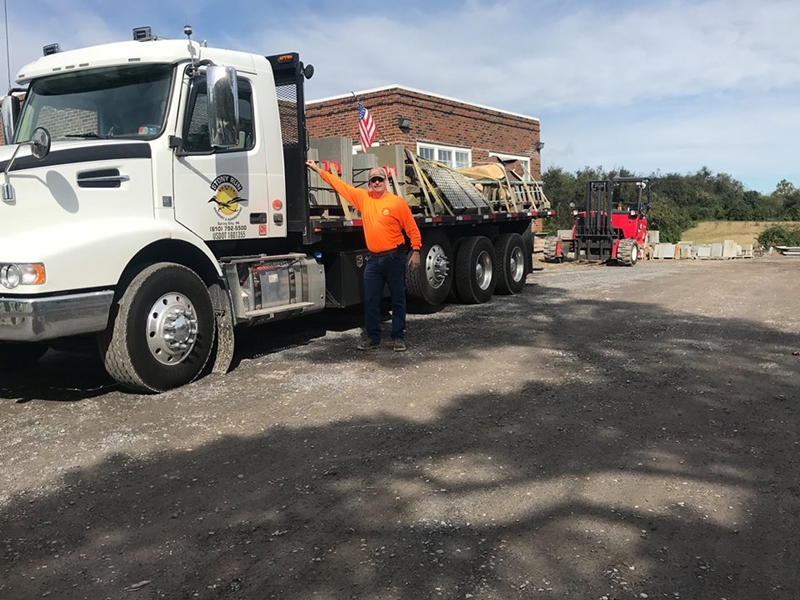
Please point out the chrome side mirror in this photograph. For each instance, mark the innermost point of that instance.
(40, 143)
(223, 106)
(10, 112)
(40, 148)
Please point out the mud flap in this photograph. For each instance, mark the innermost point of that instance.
(223, 355)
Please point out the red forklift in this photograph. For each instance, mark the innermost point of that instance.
(612, 228)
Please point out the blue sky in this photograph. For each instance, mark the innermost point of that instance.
(653, 85)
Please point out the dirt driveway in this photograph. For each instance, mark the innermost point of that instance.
(610, 433)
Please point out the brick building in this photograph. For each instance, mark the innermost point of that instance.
(450, 131)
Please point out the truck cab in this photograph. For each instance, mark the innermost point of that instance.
(161, 152)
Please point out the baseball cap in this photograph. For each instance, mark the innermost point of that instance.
(377, 172)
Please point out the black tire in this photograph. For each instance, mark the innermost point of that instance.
(475, 273)
(431, 283)
(628, 252)
(453, 295)
(511, 264)
(137, 350)
(527, 238)
(15, 356)
(551, 249)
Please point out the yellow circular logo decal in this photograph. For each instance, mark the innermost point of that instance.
(386, 212)
(227, 199)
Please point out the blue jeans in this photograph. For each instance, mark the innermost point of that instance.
(385, 270)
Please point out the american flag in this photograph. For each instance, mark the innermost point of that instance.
(366, 127)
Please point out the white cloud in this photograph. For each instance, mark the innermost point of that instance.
(670, 85)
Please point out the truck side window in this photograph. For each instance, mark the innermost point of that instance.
(195, 137)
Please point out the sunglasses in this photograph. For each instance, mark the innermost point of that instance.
(377, 179)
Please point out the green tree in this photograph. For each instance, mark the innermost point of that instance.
(789, 196)
(561, 188)
(682, 200)
(670, 220)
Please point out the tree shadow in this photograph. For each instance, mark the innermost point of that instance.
(663, 462)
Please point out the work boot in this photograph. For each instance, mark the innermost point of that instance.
(399, 345)
(368, 344)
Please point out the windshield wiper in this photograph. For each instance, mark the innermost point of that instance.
(87, 135)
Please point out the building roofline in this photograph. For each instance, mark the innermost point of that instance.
(395, 86)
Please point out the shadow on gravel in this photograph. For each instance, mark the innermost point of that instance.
(58, 376)
(500, 496)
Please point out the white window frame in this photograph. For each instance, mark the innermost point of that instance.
(524, 160)
(453, 149)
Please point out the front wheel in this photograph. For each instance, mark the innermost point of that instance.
(163, 332)
(628, 252)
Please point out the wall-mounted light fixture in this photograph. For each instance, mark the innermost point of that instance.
(404, 123)
(538, 146)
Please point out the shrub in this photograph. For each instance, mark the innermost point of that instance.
(779, 235)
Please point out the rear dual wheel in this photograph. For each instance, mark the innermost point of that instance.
(511, 262)
(475, 273)
(431, 283)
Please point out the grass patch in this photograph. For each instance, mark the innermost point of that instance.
(741, 232)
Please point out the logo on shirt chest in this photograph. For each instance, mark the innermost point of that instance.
(386, 212)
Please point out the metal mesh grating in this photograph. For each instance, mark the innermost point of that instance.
(287, 110)
(456, 190)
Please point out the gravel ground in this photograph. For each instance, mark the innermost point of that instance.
(611, 433)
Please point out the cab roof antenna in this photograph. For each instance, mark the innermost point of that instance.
(187, 30)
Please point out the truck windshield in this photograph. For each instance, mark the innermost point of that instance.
(112, 102)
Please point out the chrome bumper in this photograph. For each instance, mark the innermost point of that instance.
(31, 319)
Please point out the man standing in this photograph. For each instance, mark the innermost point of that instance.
(386, 216)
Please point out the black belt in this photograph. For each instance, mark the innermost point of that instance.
(400, 248)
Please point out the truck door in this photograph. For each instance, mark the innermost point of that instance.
(221, 194)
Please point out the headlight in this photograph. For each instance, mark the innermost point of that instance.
(14, 275)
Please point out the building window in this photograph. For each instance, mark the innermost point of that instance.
(427, 152)
(456, 158)
(524, 161)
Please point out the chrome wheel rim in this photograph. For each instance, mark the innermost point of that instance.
(172, 327)
(517, 264)
(436, 267)
(483, 270)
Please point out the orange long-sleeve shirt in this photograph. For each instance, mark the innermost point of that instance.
(385, 218)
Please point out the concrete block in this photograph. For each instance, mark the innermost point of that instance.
(716, 250)
(667, 250)
(362, 163)
(685, 250)
(729, 249)
(747, 251)
(652, 237)
(338, 150)
(703, 251)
